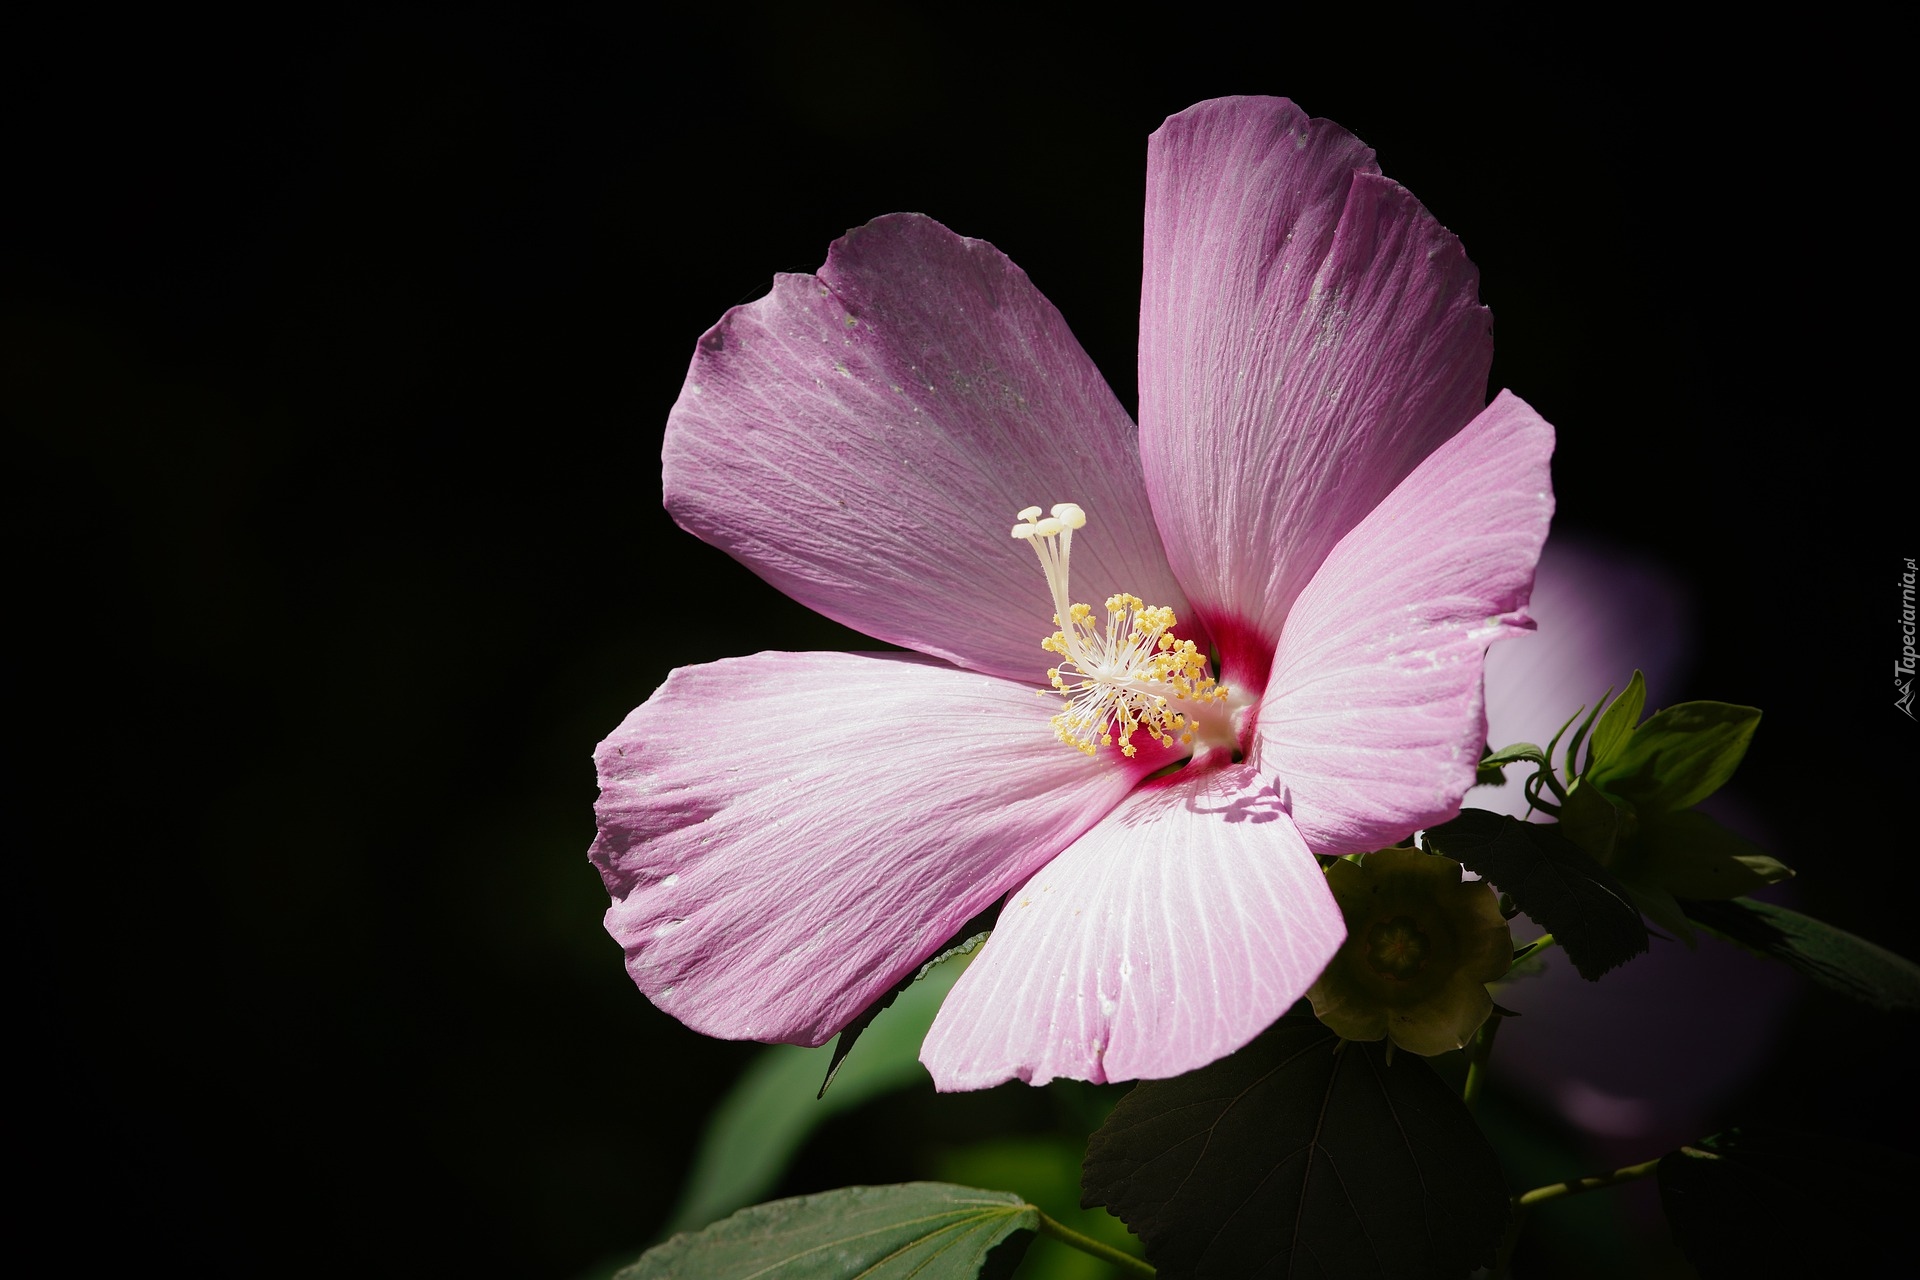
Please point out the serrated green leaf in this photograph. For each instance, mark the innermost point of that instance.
(759, 1126)
(1756, 1202)
(917, 1230)
(1291, 1159)
(1519, 752)
(1831, 957)
(1566, 891)
(1679, 757)
(1692, 856)
(1491, 772)
(1616, 726)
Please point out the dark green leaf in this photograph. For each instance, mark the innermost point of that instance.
(1616, 726)
(1292, 1159)
(922, 1230)
(1680, 756)
(1831, 957)
(1752, 1202)
(1662, 910)
(1691, 856)
(1552, 880)
(1596, 822)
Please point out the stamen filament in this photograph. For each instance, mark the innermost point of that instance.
(1129, 675)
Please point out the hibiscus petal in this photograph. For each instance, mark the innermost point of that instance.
(1166, 937)
(863, 438)
(1308, 333)
(1373, 720)
(786, 835)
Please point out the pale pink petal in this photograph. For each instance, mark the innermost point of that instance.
(1166, 937)
(1600, 615)
(1373, 721)
(1308, 333)
(862, 439)
(786, 835)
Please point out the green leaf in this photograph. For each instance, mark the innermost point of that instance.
(1573, 743)
(1044, 1169)
(1596, 822)
(1569, 894)
(1554, 741)
(851, 1033)
(922, 1230)
(760, 1125)
(1491, 772)
(1301, 1155)
(1517, 753)
(1832, 957)
(1492, 768)
(1679, 757)
(1662, 910)
(1691, 856)
(1616, 726)
(1755, 1202)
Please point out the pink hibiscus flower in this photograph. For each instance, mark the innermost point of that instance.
(1317, 492)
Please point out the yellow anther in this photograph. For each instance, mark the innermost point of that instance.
(1122, 678)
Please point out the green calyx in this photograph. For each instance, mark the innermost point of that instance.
(1421, 946)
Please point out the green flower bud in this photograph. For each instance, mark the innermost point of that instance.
(1421, 946)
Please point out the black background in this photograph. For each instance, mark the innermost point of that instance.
(337, 347)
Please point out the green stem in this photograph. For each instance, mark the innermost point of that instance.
(1477, 1054)
(1087, 1244)
(1559, 1191)
(1538, 945)
(1578, 1186)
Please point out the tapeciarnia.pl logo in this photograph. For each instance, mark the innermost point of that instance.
(1903, 667)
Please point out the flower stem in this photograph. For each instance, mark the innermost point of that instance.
(1477, 1054)
(1533, 948)
(1088, 1245)
(1576, 1186)
(1559, 1191)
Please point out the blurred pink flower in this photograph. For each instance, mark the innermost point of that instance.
(1316, 490)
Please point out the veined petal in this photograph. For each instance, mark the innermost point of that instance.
(863, 438)
(1373, 721)
(1308, 333)
(786, 835)
(1167, 936)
